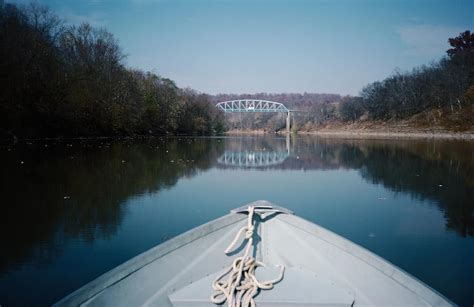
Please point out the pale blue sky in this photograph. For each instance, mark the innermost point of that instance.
(230, 46)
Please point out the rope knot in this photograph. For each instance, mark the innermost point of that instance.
(242, 285)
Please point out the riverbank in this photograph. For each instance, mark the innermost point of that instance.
(430, 124)
(419, 126)
(390, 135)
(368, 134)
(434, 123)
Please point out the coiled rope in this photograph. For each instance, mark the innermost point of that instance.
(241, 285)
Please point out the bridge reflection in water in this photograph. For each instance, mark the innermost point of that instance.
(252, 158)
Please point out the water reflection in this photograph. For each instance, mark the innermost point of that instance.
(53, 192)
(57, 192)
(441, 171)
(264, 153)
(252, 158)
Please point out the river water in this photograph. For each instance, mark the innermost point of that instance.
(72, 210)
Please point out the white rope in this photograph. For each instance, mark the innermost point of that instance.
(241, 285)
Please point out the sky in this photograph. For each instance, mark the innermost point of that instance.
(243, 46)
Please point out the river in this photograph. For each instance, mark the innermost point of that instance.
(72, 210)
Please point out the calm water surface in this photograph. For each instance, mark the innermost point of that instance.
(71, 211)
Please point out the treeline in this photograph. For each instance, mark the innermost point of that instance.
(447, 84)
(66, 80)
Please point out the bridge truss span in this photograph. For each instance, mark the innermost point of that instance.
(252, 105)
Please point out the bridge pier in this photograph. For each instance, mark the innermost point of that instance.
(288, 123)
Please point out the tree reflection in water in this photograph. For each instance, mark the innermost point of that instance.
(54, 191)
(442, 171)
(57, 192)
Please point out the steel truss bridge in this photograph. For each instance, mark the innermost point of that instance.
(255, 105)
(252, 158)
(252, 105)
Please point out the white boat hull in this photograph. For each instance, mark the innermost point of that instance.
(322, 269)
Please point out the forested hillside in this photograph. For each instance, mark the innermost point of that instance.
(440, 92)
(70, 80)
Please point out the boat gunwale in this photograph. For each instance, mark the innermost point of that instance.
(118, 273)
(399, 275)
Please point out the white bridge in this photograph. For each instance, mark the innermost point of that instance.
(255, 105)
(252, 105)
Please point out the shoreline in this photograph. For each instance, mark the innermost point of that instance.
(392, 135)
(336, 133)
(364, 134)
